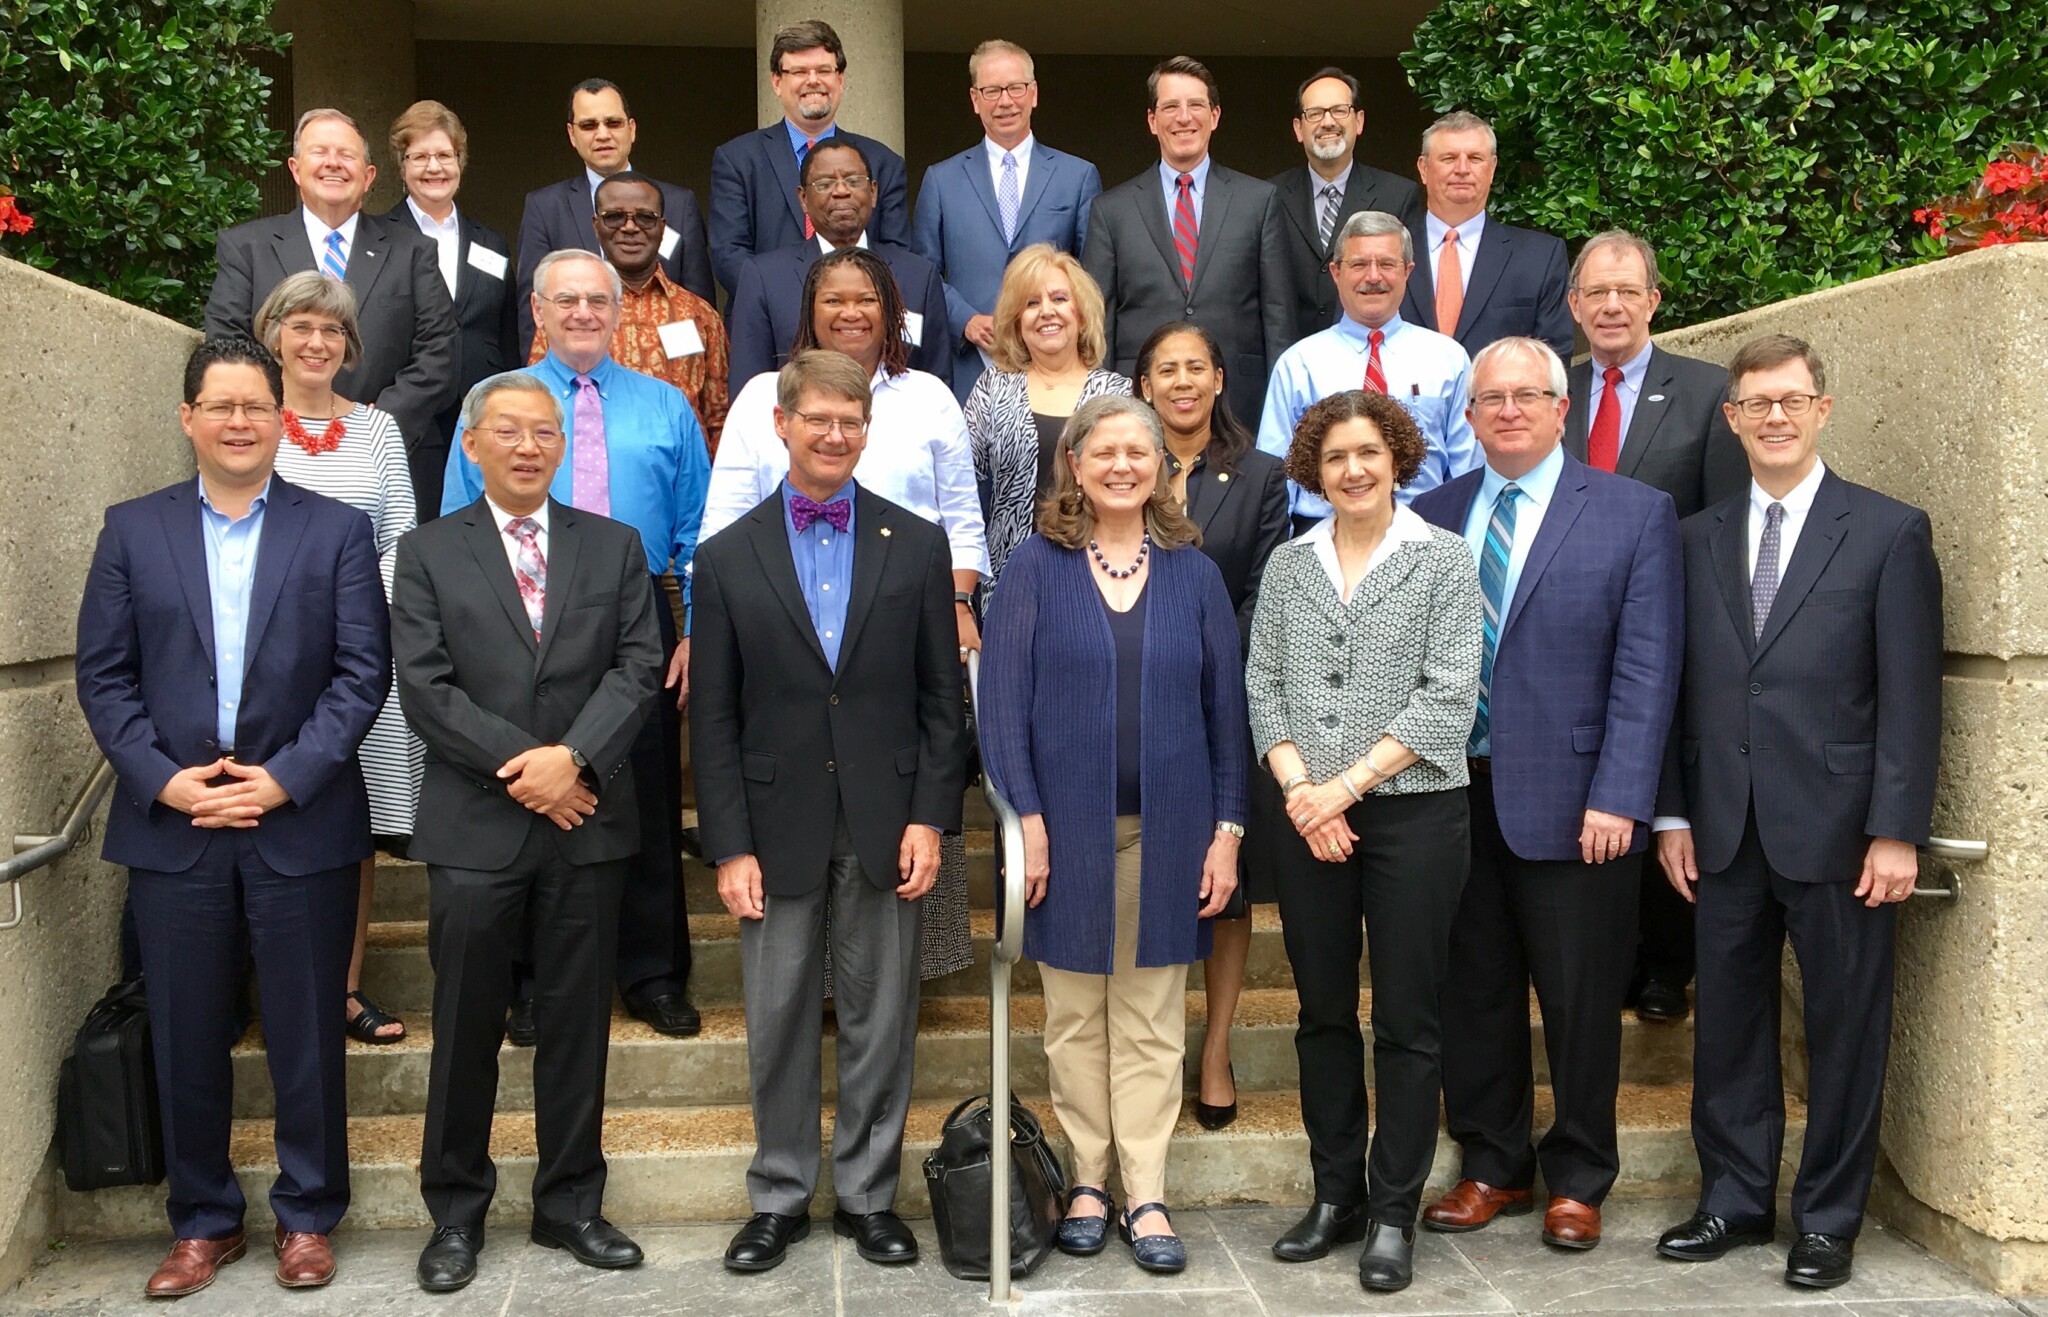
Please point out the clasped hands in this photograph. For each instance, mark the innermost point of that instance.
(1317, 813)
(917, 865)
(237, 804)
(546, 780)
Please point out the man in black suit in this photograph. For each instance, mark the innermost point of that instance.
(402, 306)
(838, 193)
(528, 658)
(1656, 417)
(1487, 280)
(1191, 240)
(558, 216)
(827, 731)
(1332, 187)
(754, 176)
(1800, 779)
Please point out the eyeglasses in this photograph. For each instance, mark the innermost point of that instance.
(441, 158)
(1171, 108)
(1377, 265)
(816, 71)
(1315, 114)
(1630, 294)
(255, 412)
(1493, 399)
(598, 302)
(615, 220)
(820, 426)
(1795, 404)
(346, 155)
(315, 329)
(507, 437)
(825, 187)
(615, 123)
(1014, 90)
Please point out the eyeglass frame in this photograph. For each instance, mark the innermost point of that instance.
(567, 302)
(825, 187)
(497, 435)
(1747, 406)
(1015, 90)
(1494, 399)
(853, 429)
(254, 412)
(1312, 116)
(1629, 294)
(640, 220)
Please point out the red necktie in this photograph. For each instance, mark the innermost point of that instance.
(1184, 238)
(1603, 442)
(1375, 378)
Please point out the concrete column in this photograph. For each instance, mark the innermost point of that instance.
(872, 31)
(358, 58)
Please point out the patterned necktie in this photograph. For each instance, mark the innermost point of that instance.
(1184, 236)
(1326, 219)
(1763, 582)
(804, 511)
(1375, 378)
(1008, 197)
(531, 571)
(590, 473)
(1450, 286)
(333, 260)
(1603, 443)
(803, 153)
(1493, 587)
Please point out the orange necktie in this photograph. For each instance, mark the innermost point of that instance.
(1450, 286)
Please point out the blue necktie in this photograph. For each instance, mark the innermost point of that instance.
(1007, 198)
(333, 261)
(1493, 586)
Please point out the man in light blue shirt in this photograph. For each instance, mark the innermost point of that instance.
(1371, 347)
(231, 546)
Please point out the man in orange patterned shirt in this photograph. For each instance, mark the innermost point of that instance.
(666, 330)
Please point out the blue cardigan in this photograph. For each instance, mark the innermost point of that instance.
(1048, 728)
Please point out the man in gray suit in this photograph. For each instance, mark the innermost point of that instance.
(1191, 240)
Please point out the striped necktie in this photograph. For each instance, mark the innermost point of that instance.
(1008, 197)
(1493, 587)
(333, 260)
(1375, 375)
(1185, 239)
(1326, 219)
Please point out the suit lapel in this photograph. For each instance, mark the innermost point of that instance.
(1209, 234)
(288, 241)
(580, 213)
(771, 547)
(1495, 242)
(975, 164)
(466, 274)
(873, 535)
(1729, 545)
(565, 542)
(1421, 282)
(284, 522)
(1298, 199)
(1208, 490)
(1152, 212)
(185, 535)
(487, 542)
(1578, 418)
(1565, 505)
(1045, 162)
(1653, 404)
(782, 162)
(367, 259)
(1826, 522)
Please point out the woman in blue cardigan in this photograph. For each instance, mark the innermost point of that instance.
(1113, 719)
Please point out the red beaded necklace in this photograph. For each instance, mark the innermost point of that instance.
(329, 440)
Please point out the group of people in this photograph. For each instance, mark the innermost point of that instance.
(1465, 635)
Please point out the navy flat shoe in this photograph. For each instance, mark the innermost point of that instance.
(1165, 1254)
(1084, 1236)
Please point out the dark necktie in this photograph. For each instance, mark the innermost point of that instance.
(804, 511)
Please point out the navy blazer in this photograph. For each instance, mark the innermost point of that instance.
(767, 307)
(754, 206)
(1585, 675)
(1516, 287)
(316, 668)
(958, 227)
(1048, 737)
(1837, 707)
(558, 217)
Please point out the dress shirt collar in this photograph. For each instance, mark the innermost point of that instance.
(788, 490)
(502, 519)
(1021, 150)
(1539, 486)
(317, 231)
(1798, 500)
(592, 177)
(1407, 527)
(827, 248)
(563, 380)
(1468, 233)
(1632, 371)
(431, 226)
(1316, 184)
(1359, 336)
(1169, 178)
(798, 137)
(257, 504)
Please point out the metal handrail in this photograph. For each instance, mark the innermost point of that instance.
(34, 850)
(1954, 852)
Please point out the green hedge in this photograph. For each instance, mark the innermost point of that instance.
(1765, 149)
(133, 132)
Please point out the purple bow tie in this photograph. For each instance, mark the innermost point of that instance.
(804, 511)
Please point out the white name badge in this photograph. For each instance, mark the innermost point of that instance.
(490, 262)
(913, 329)
(681, 339)
(669, 239)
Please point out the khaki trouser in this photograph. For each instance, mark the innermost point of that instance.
(1114, 1044)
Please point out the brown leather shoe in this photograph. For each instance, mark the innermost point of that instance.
(191, 1265)
(1571, 1224)
(304, 1261)
(1470, 1205)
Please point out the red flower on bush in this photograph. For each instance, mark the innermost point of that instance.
(2007, 176)
(2008, 204)
(12, 218)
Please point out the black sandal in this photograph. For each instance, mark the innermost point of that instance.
(363, 1028)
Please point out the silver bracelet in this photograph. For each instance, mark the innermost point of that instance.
(1299, 779)
(1345, 778)
(1378, 772)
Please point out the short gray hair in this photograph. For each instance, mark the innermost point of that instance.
(998, 46)
(554, 258)
(1375, 224)
(1560, 379)
(1617, 238)
(310, 291)
(1461, 121)
(325, 112)
(510, 381)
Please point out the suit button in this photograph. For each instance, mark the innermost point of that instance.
(834, 700)
(1743, 748)
(1755, 688)
(831, 767)
(541, 689)
(1187, 312)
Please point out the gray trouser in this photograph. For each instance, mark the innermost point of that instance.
(782, 956)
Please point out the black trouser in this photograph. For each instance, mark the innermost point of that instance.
(478, 921)
(1738, 1099)
(1569, 928)
(1403, 879)
(1665, 954)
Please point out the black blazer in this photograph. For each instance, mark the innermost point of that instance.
(753, 197)
(558, 217)
(478, 690)
(1315, 293)
(783, 745)
(1678, 440)
(1831, 723)
(402, 309)
(485, 315)
(1243, 519)
(767, 307)
(1516, 287)
(1243, 290)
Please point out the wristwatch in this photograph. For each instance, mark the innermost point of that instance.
(1234, 829)
(576, 758)
(964, 597)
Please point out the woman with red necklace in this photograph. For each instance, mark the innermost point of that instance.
(353, 453)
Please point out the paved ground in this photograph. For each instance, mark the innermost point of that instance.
(1504, 1269)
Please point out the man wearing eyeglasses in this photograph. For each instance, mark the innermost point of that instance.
(978, 209)
(635, 453)
(558, 216)
(1331, 187)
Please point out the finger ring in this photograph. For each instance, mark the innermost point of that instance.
(1333, 848)
(963, 651)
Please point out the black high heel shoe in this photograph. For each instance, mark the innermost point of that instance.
(1216, 1118)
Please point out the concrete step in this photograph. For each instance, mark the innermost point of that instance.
(674, 1164)
(646, 1069)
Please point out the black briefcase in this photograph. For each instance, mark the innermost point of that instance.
(109, 1125)
(957, 1174)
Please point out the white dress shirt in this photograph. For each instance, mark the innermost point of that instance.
(446, 235)
(1406, 527)
(510, 542)
(826, 248)
(917, 456)
(1022, 151)
(317, 231)
(1469, 234)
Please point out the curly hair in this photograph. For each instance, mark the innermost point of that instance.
(1403, 437)
(895, 349)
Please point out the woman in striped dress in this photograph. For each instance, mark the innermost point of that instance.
(353, 453)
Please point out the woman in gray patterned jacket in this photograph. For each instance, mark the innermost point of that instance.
(1363, 679)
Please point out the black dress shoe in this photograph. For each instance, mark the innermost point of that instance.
(1662, 1002)
(763, 1240)
(877, 1236)
(1820, 1262)
(1324, 1224)
(1388, 1262)
(671, 1013)
(692, 840)
(519, 1030)
(1215, 1117)
(593, 1241)
(448, 1262)
(1706, 1237)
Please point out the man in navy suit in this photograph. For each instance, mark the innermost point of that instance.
(981, 207)
(839, 196)
(558, 216)
(1579, 570)
(1487, 280)
(233, 648)
(754, 176)
(1802, 778)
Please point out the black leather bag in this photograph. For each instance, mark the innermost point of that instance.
(957, 1174)
(109, 1125)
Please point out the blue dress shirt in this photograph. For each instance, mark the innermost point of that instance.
(231, 575)
(797, 138)
(1537, 488)
(824, 569)
(1427, 373)
(1628, 393)
(1169, 178)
